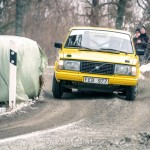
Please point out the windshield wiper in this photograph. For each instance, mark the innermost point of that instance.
(79, 47)
(112, 50)
(84, 48)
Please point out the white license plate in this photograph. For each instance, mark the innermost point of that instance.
(95, 80)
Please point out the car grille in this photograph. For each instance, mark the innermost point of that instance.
(97, 67)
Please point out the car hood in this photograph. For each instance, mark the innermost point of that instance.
(120, 58)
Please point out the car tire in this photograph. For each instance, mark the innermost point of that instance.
(57, 88)
(131, 93)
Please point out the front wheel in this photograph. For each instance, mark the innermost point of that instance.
(57, 88)
(131, 92)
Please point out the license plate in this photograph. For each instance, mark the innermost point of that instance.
(95, 80)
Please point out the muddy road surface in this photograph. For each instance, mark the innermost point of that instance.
(79, 120)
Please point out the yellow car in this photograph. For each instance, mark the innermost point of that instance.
(96, 59)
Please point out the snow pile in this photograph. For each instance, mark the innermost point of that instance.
(51, 67)
(145, 68)
(2, 109)
(17, 108)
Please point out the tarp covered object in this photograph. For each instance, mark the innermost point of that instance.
(31, 62)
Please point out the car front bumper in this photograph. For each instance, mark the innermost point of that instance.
(113, 80)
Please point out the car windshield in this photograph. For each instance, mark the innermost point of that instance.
(99, 40)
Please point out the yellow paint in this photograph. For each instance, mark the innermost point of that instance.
(96, 56)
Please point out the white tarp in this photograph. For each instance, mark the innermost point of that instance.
(31, 62)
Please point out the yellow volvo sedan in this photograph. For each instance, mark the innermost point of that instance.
(96, 59)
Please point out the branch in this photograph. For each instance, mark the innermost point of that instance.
(109, 3)
(66, 10)
(7, 6)
(144, 2)
(5, 27)
(105, 15)
(140, 5)
(148, 2)
(87, 15)
(141, 22)
(101, 5)
(83, 15)
(146, 19)
(88, 7)
(11, 4)
(87, 1)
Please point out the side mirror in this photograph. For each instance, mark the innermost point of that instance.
(140, 51)
(58, 45)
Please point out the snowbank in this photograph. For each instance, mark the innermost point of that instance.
(145, 68)
(6, 111)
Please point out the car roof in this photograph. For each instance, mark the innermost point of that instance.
(99, 28)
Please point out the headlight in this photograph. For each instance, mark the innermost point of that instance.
(69, 65)
(60, 64)
(125, 70)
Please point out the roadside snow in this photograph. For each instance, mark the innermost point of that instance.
(17, 108)
(145, 68)
(50, 66)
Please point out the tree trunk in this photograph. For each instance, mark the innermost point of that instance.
(94, 18)
(19, 16)
(120, 13)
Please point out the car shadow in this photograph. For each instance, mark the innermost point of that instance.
(75, 95)
(86, 95)
(121, 97)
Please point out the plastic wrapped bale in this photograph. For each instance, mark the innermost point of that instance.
(31, 62)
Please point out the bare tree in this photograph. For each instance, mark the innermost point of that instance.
(48, 21)
(145, 5)
(96, 10)
(6, 15)
(120, 13)
(21, 8)
(94, 17)
(19, 16)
